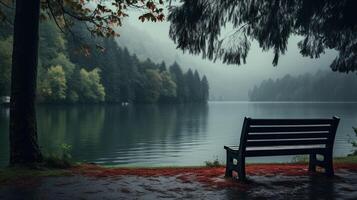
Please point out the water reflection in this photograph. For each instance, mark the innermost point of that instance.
(79, 126)
(148, 134)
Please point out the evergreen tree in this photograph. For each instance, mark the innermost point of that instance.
(190, 86)
(162, 67)
(196, 87)
(51, 42)
(168, 90)
(128, 76)
(178, 77)
(205, 89)
(110, 60)
(153, 86)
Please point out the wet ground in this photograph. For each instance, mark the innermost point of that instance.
(265, 182)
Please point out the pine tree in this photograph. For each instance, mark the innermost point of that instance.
(162, 67)
(196, 87)
(190, 88)
(205, 89)
(179, 79)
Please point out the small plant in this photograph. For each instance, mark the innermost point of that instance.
(61, 159)
(66, 151)
(300, 159)
(354, 143)
(214, 163)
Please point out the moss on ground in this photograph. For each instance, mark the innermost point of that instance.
(352, 159)
(347, 159)
(13, 174)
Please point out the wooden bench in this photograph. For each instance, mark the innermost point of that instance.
(276, 137)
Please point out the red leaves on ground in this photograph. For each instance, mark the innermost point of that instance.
(208, 176)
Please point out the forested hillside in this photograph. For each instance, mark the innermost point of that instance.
(322, 86)
(86, 69)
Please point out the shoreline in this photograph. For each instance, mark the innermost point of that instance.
(203, 174)
(265, 181)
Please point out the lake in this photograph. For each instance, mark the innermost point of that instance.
(166, 135)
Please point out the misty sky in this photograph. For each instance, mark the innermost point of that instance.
(232, 82)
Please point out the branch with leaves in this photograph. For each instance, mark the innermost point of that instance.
(5, 6)
(199, 26)
(101, 16)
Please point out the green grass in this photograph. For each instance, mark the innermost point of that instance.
(12, 174)
(349, 159)
(52, 165)
(214, 163)
(352, 159)
(57, 162)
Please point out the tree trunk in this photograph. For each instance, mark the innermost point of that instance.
(24, 148)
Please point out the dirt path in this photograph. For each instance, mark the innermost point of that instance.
(266, 182)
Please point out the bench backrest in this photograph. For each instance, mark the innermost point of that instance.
(264, 137)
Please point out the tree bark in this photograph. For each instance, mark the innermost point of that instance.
(24, 147)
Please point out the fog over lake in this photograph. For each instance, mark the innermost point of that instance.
(228, 82)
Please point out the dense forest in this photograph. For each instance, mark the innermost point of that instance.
(87, 69)
(321, 86)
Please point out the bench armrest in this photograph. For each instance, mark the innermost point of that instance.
(233, 149)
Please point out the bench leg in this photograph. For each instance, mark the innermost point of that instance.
(312, 162)
(328, 165)
(229, 165)
(241, 168)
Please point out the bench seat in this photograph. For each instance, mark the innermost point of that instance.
(277, 137)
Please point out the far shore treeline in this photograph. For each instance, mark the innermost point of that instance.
(87, 69)
(321, 86)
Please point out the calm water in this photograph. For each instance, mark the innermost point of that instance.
(152, 135)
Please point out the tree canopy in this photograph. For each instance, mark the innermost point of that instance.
(197, 26)
(102, 16)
